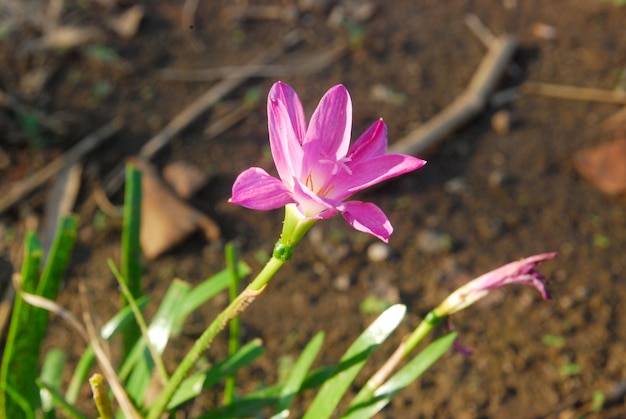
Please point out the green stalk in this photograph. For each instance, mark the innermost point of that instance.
(131, 251)
(401, 353)
(234, 330)
(236, 307)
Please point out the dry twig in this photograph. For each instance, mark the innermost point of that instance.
(22, 188)
(198, 107)
(465, 107)
(573, 92)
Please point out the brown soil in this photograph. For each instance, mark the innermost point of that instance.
(496, 197)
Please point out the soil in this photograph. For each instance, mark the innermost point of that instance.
(484, 198)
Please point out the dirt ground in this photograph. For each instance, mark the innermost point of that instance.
(484, 198)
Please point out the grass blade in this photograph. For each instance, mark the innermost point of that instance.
(297, 375)
(366, 404)
(140, 360)
(110, 328)
(194, 385)
(207, 290)
(51, 373)
(68, 408)
(21, 352)
(130, 264)
(352, 361)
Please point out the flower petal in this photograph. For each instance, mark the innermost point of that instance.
(286, 95)
(328, 135)
(368, 218)
(372, 143)
(366, 173)
(254, 188)
(286, 126)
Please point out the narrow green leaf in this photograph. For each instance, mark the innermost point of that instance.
(366, 404)
(352, 361)
(298, 374)
(207, 290)
(57, 261)
(21, 352)
(130, 264)
(26, 411)
(139, 360)
(68, 408)
(244, 408)
(195, 384)
(51, 373)
(110, 328)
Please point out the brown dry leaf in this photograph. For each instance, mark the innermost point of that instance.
(185, 178)
(165, 219)
(126, 25)
(65, 37)
(604, 166)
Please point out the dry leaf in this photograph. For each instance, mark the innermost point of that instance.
(65, 37)
(126, 25)
(165, 219)
(604, 166)
(616, 122)
(185, 178)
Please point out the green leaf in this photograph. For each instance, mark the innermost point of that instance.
(110, 328)
(195, 384)
(21, 352)
(298, 374)
(131, 251)
(19, 370)
(68, 409)
(367, 403)
(140, 361)
(51, 373)
(352, 361)
(207, 290)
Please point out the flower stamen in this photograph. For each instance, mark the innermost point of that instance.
(337, 165)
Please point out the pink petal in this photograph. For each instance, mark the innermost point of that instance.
(367, 218)
(328, 135)
(286, 126)
(372, 143)
(366, 173)
(286, 95)
(254, 188)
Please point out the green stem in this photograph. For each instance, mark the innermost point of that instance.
(401, 353)
(423, 329)
(236, 307)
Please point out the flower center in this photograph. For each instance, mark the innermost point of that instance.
(337, 166)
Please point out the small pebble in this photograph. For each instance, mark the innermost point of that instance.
(342, 282)
(501, 122)
(542, 30)
(432, 241)
(496, 178)
(378, 252)
(456, 186)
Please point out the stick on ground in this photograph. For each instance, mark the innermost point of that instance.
(22, 188)
(465, 107)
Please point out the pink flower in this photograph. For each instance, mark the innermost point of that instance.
(317, 167)
(520, 272)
